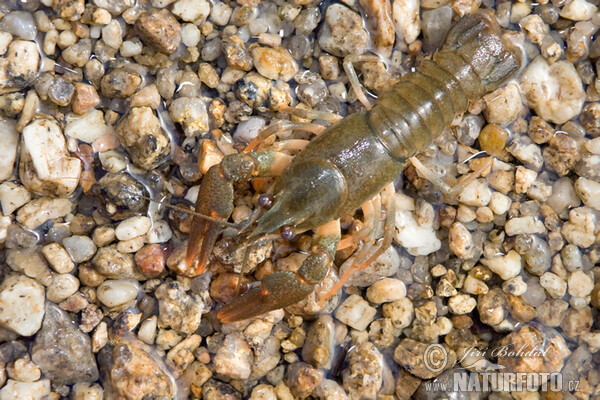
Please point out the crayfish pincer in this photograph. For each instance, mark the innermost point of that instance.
(351, 162)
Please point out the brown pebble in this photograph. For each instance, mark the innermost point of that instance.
(590, 119)
(159, 29)
(84, 99)
(561, 154)
(539, 130)
(492, 140)
(151, 259)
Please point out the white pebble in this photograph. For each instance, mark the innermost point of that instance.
(159, 233)
(500, 203)
(580, 284)
(507, 266)
(192, 10)
(555, 286)
(578, 10)
(524, 178)
(147, 331)
(580, 230)
(461, 304)
(355, 312)
(117, 292)
(21, 304)
(58, 258)
(130, 245)
(476, 193)
(9, 140)
(12, 196)
(529, 224)
(503, 105)
(563, 196)
(249, 129)
(47, 166)
(554, 91)
(386, 290)
(405, 14)
(112, 35)
(416, 239)
(133, 227)
(87, 127)
(25, 390)
(190, 35)
(587, 190)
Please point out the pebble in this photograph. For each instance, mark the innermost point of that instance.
(274, 63)
(400, 312)
(578, 10)
(12, 197)
(133, 227)
(503, 105)
(499, 203)
(386, 264)
(61, 287)
(159, 29)
(58, 258)
(407, 22)
(136, 373)
(80, 248)
(191, 113)
(120, 83)
(234, 358)
(580, 229)
(563, 196)
(141, 134)
(13, 389)
(587, 190)
(115, 294)
(363, 378)
(561, 154)
(355, 312)
(506, 266)
(461, 241)
(65, 358)
(23, 370)
(520, 225)
(9, 140)
(87, 391)
(21, 68)
(477, 193)
(21, 304)
(417, 239)
(554, 91)
(386, 290)
(30, 263)
(554, 285)
(87, 127)
(177, 309)
(46, 168)
(461, 304)
(580, 284)
(319, 346)
(343, 33)
(551, 346)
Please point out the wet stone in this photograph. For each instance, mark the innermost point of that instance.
(21, 304)
(130, 372)
(215, 390)
(141, 134)
(363, 378)
(302, 379)
(80, 248)
(342, 33)
(177, 309)
(120, 82)
(66, 358)
(159, 29)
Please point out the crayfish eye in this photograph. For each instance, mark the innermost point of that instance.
(287, 232)
(265, 201)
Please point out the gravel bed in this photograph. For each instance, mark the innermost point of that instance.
(107, 104)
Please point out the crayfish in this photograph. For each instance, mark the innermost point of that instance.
(349, 163)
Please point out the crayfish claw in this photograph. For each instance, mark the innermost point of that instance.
(215, 200)
(277, 290)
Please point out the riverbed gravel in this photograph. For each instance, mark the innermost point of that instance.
(111, 112)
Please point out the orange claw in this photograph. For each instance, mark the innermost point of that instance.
(215, 199)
